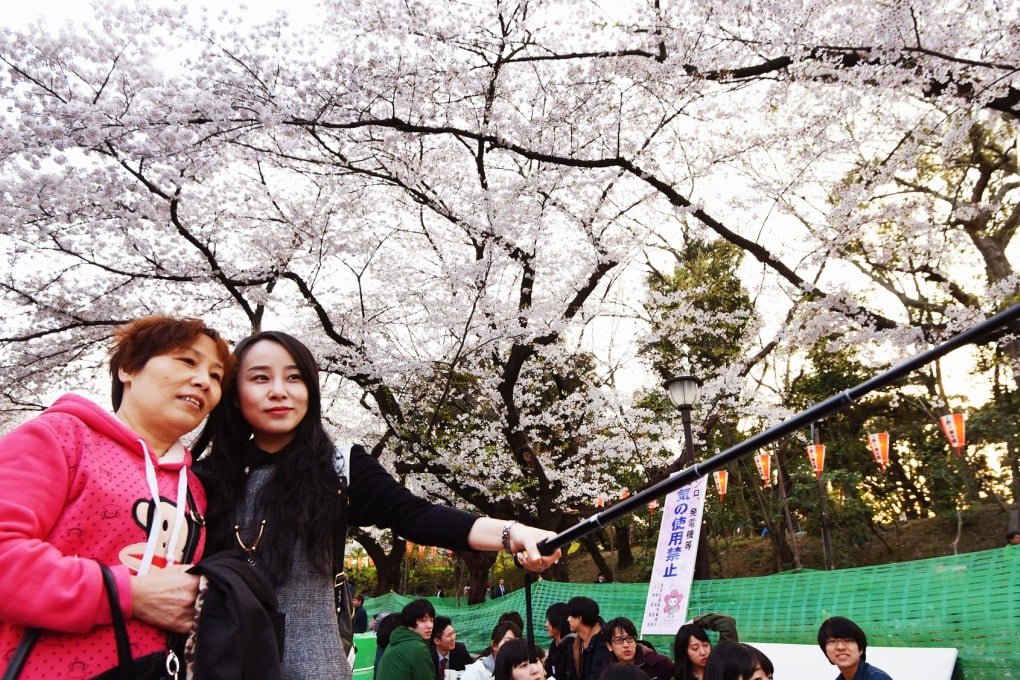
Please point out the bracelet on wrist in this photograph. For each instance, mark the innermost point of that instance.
(506, 535)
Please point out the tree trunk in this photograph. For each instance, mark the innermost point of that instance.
(559, 571)
(478, 563)
(624, 551)
(387, 564)
(1014, 469)
(592, 546)
(703, 557)
(780, 548)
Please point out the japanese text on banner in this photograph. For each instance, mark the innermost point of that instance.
(669, 589)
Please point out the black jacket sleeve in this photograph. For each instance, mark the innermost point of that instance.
(376, 498)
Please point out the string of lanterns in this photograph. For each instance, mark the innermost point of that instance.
(953, 427)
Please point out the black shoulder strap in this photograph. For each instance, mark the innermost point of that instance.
(28, 641)
(342, 465)
(124, 660)
(119, 627)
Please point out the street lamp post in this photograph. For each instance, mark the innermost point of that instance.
(683, 391)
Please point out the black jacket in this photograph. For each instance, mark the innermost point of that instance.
(239, 634)
(559, 662)
(460, 658)
(589, 660)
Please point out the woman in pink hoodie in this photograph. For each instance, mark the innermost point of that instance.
(82, 486)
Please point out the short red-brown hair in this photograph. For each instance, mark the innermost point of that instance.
(137, 342)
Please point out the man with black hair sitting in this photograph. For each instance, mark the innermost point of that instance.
(590, 650)
(559, 662)
(845, 646)
(407, 655)
(621, 639)
(447, 653)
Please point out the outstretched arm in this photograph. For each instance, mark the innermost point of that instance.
(518, 539)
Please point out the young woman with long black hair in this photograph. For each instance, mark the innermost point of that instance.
(692, 647)
(273, 493)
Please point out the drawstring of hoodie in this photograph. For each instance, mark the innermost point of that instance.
(157, 513)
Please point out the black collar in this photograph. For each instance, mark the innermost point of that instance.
(254, 457)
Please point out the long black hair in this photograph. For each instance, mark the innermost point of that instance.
(736, 661)
(300, 499)
(682, 661)
(512, 654)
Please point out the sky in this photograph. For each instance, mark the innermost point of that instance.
(55, 12)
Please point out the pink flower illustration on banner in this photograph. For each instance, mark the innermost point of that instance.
(673, 601)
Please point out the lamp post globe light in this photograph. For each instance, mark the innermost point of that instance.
(684, 391)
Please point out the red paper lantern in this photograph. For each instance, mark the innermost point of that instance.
(816, 454)
(954, 428)
(763, 462)
(878, 442)
(721, 482)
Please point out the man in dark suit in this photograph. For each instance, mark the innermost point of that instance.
(447, 653)
(499, 590)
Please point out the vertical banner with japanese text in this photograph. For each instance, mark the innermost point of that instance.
(670, 587)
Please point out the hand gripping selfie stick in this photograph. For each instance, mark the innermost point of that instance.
(980, 333)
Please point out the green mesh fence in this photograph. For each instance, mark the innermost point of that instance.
(970, 602)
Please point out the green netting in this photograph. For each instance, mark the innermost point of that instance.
(970, 602)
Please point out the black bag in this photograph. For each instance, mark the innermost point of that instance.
(155, 666)
(341, 586)
(344, 610)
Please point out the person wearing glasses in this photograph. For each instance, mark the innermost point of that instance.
(845, 646)
(621, 639)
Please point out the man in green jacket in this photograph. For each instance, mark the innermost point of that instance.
(407, 656)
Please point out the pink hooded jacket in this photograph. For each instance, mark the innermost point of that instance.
(73, 490)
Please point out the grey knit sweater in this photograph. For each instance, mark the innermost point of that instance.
(312, 649)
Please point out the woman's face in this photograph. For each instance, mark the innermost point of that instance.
(509, 635)
(759, 674)
(528, 670)
(698, 651)
(173, 392)
(272, 394)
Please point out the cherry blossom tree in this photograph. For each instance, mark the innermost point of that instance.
(455, 205)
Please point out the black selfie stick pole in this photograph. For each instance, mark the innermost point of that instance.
(831, 405)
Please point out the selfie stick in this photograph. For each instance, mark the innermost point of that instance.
(976, 334)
